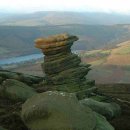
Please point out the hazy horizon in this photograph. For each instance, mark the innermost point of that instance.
(29, 6)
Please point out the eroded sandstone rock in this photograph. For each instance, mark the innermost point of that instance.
(54, 110)
(61, 66)
(57, 111)
(109, 110)
(16, 90)
(25, 78)
(102, 123)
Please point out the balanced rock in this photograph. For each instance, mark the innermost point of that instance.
(56, 44)
(61, 66)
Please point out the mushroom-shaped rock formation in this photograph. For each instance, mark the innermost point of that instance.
(63, 69)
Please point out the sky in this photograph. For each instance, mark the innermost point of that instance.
(116, 6)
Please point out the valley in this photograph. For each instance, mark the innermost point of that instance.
(109, 65)
(103, 43)
(19, 40)
(106, 67)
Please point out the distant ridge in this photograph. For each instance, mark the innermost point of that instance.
(44, 18)
(19, 40)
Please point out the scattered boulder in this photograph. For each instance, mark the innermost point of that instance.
(109, 110)
(57, 110)
(28, 79)
(8, 75)
(16, 90)
(102, 123)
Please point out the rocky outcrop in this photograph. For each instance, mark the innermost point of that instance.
(55, 110)
(59, 108)
(62, 68)
(109, 110)
(27, 79)
(16, 90)
(102, 123)
(13, 93)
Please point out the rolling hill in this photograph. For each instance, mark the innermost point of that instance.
(109, 65)
(19, 40)
(45, 18)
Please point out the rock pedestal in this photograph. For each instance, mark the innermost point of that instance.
(62, 68)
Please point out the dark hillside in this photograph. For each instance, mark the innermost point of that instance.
(19, 40)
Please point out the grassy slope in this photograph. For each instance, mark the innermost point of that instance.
(109, 65)
(120, 55)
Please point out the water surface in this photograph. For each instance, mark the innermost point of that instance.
(20, 59)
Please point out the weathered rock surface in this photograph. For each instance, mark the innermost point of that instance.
(60, 65)
(16, 90)
(58, 111)
(102, 123)
(10, 115)
(109, 110)
(53, 110)
(28, 79)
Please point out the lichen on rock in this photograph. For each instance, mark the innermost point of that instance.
(54, 110)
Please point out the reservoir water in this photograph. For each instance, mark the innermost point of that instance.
(20, 59)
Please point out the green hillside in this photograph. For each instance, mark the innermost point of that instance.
(109, 65)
